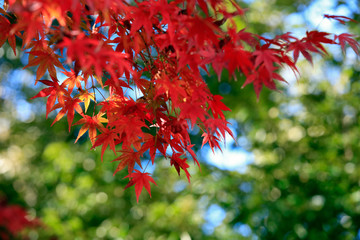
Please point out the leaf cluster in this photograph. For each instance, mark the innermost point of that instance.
(140, 68)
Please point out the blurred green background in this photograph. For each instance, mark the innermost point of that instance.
(293, 174)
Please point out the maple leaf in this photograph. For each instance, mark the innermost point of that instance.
(5, 34)
(311, 43)
(263, 77)
(174, 88)
(14, 219)
(193, 155)
(69, 107)
(267, 57)
(141, 17)
(217, 107)
(91, 124)
(214, 130)
(29, 21)
(193, 112)
(72, 80)
(202, 30)
(341, 19)
(130, 128)
(46, 61)
(53, 91)
(154, 143)
(128, 158)
(177, 128)
(180, 163)
(85, 96)
(212, 140)
(95, 56)
(57, 10)
(346, 38)
(237, 58)
(140, 180)
(316, 38)
(106, 138)
(302, 47)
(287, 61)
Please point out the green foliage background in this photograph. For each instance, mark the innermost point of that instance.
(304, 182)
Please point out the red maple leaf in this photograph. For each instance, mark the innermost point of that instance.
(212, 140)
(202, 30)
(29, 20)
(141, 17)
(217, 107)
(346, 38)
(341, 19)
(54, 91)
(128, 158)
(193, 155)
(5, 27)
(106, 138)
(180, 163)
(263, 77)
(140, 180)
(69, 107)
(267, 57)
(154, 143)
(47, 60)
(316, 38)
(303, 47)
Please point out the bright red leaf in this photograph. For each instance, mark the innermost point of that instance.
(140, 180)
(53, 92)
(105, 139)
(69, 107)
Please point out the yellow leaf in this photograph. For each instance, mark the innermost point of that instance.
(85, 96)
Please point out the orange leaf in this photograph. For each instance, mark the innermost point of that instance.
(91, 124)
(85, 96)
